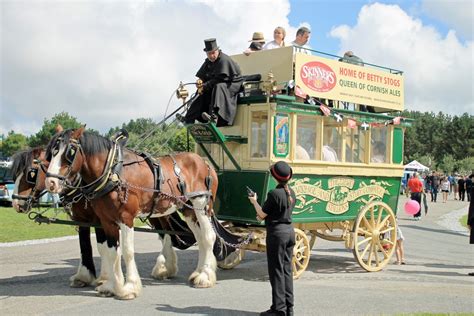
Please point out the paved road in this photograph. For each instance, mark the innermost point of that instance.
(34, 279)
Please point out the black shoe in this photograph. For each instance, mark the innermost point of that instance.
(180, 118)
(209, 118)
(471, 274)
(272, 312)
(289, 312)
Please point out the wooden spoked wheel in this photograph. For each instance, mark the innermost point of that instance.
(374, 236)
(301, 253)
(232, 260)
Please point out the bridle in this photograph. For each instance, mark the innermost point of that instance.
(32, 178)
(70, 156)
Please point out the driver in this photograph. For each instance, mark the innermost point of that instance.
(220, 84)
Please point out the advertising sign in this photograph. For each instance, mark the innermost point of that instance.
(336, 80)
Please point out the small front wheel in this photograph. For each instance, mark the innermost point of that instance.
(301, 253)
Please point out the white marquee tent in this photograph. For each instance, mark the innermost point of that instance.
(416, 166)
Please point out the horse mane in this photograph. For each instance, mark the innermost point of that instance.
(91, 143)
(22, 160)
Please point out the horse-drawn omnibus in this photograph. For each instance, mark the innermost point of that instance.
(347, 163)
(347, 166)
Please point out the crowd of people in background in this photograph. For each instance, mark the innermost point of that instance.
(456, 185)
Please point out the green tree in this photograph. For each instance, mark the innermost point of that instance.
(49, 128)
(179, 141)
(466, 165)
(13, 143)
(146, 135)
(448, 164)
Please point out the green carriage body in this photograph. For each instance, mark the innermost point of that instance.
(320, 198)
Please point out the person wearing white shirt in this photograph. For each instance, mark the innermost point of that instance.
(279, 35)
(302, 38)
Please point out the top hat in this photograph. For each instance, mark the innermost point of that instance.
(281, 171)
(211, 45)
(257, 37)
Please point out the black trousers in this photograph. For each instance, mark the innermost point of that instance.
(462, 194)
(280, 242)
(417, 197)
(200, 105)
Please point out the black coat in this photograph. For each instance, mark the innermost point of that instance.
(470, 216)
(223, 79)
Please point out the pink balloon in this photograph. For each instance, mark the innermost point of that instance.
(412, 207)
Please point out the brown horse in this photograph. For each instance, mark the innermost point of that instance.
(120, 188)
(29, 171)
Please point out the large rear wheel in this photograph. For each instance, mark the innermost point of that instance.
(374, 236)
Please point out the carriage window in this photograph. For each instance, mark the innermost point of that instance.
(306, 138)
(332, 140)
(355, 144)
(378, 142)
(258, 145)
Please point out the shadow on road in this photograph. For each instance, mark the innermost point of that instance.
(201, 310)
(440, 231)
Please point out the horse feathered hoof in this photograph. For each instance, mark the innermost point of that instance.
(204, 279)
(163, 272)
(103, 291)
(78, 284)
(105, 294)
(129, 296)
(82, 278)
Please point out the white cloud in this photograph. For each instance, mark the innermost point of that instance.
(455, 13)
(106, 62)
(438, 70)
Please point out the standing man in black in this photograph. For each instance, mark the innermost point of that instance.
(280, 240)
(470, 216)
(462, 188)
(219, 83)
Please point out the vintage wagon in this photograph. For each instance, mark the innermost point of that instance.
(338, 125)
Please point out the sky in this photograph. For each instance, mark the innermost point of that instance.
(107, 62)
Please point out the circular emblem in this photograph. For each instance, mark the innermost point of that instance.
(318, 76)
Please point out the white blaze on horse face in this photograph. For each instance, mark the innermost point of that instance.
(53, 184)
(15, 202)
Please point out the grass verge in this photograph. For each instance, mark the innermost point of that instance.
(18, 227)
(463, 221)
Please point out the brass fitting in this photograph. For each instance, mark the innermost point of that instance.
(181, 92)
(269, 85)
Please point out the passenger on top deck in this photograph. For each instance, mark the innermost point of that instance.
(256, 43)
(219, 85)
(350, 58)
(279, 35)
(302, 38)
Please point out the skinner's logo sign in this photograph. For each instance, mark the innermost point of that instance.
(318, 76)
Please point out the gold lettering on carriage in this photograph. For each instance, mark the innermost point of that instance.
(338, 196)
